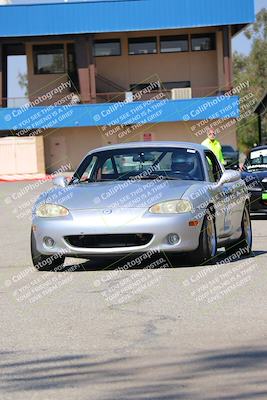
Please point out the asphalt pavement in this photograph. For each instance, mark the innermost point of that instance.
(129, 330)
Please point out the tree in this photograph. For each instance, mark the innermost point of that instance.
(254, 69)
(23, 82)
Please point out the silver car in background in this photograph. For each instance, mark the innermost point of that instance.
(172, 197)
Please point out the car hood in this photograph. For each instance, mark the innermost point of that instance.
(257, 175)
(123, 194)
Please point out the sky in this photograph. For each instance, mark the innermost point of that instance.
(18, 64)
(240, 42)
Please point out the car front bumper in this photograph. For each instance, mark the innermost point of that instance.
(119, 221)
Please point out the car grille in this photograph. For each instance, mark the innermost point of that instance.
(109, 241)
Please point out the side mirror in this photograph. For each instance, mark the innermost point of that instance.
(60, 181)
(229, 176)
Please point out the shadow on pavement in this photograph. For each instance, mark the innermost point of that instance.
(224, 374)
(100, 264)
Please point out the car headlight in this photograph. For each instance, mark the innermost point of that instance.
(171, 207)
(51, 210)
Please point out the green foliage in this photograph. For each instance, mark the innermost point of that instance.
(23, 82)
(254, 69)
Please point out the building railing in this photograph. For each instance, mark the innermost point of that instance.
(107, 97)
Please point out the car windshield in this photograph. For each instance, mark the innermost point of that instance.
(140, 163)
(257, 159)
(228, 149)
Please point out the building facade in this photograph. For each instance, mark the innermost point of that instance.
(105, 72)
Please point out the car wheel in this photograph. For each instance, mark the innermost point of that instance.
(43, 262)
(245, 242)
(207, 248)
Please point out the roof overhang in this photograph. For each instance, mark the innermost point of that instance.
(99, 16)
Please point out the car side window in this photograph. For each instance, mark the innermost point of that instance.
(107, 167)
(213, 167)
(88, 171)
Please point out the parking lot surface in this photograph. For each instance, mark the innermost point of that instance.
(137, 329)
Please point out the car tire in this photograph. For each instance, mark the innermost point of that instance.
(243, 244)
(43, 262)
(207, 249)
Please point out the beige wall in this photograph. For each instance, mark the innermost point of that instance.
(198, 67)
(203, 69)
(69, 145)
(183, 131)
(220, 59)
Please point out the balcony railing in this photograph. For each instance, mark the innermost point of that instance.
(108, 97)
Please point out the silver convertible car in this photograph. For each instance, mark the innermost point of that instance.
(170, 197)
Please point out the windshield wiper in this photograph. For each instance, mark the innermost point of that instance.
(148, 177)
(165, 177)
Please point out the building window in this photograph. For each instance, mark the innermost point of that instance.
(49, 59)
(136, 87)
(174, 44)
(203, 42)
(72, 67)
(105, 48)
(176, 85)
(145, 45)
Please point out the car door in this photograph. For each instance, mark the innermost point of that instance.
(221, 196)
(235, 197)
